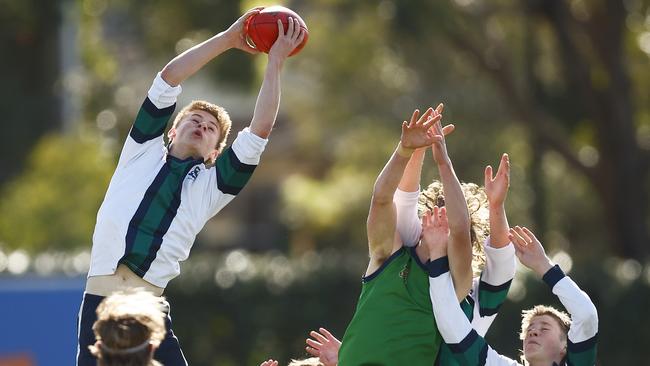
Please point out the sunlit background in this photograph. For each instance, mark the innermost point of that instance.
(563, 86)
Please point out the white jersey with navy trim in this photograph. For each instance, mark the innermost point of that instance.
(156, 204)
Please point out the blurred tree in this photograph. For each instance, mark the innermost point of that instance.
(30, 71)
(53, 204)
(564, 69)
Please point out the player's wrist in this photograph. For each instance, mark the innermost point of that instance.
(543, 266)
(405, 152)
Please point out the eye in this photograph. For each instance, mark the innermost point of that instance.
(211, 129)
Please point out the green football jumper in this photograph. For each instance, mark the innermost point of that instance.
(393, 323)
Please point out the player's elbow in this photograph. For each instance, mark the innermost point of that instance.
(169, 75)
(381, 196)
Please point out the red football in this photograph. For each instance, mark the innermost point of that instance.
(262, 28)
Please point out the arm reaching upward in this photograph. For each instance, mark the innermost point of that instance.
(460, 244)
(192, 60)
(496, 189)
(268, 100)
(381, 218)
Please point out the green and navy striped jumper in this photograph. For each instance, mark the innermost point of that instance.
(156, 204)
(470, 349)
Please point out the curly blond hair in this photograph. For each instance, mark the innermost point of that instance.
(129, 325)
(223, 119)
(479, 213)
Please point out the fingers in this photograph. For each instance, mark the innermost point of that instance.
(280, 28)
(443, 214)
(504, 166)
(440, 108)
(432, 120)
(269, 363)
(448, 129)
(327, 334)
(301, 37)
(312, 351)
(414, 116)
(488, 175)
(530, 234)
(290, 27)
(516, 238)
(319, 337)
(426, 117)
(313, 344)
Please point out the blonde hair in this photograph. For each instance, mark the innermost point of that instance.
(223, 119)
(129, 324)
(479, 214)
(313, 361)
(563, 319)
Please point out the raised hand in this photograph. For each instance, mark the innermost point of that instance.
(236, 32)
(435, 232)
(529, 250)
(324, 346)
(288, 41)
(496, 187)
(417, 132)
(269, 363)
(439, 147)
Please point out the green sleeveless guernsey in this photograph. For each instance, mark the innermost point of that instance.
(393, 323)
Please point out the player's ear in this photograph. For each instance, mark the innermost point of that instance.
(213, 155)
(171, 133)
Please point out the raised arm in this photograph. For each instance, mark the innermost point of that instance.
(496, 189)
(268, 100)
(460, 243)
(466, 345)
(381, 218)
(408, 191)
(583, 333)
(192, 60)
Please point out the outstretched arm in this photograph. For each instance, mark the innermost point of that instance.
(406, 196)
(381, 218)
(466, 345)
(460, 243)
(496, 189)
(192, 60)
(583, 334)
(268, 100)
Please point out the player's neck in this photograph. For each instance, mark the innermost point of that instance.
(182, 152)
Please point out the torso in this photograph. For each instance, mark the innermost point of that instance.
(122, 279)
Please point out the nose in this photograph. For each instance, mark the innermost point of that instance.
(532, 332)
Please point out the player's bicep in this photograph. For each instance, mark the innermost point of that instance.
(381, 228)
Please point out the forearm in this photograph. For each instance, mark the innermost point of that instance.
(389, 178)
(460, 244)
(268, 100)
(410, 181)
(190, 61)
(498, 226)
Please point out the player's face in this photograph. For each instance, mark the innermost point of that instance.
(544, 340)
(198, 132)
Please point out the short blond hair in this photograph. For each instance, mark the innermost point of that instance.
(313, 361)
(128, 320)
(479, 214)
(563, 319)
(222, 117)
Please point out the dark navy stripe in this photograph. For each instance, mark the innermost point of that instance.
(150, 194)
(488, 311)
(164, 225)
(383, 265)
(224, 187)
(438, 267)
(584, 345)
(553, 275)
(482, 356)
(465, 344)
(141, 138)
(153, 111)
(492, 288)
(237, 164)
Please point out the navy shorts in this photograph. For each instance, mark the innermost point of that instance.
(169, 353)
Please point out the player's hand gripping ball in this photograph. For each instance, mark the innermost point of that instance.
(262, 28)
